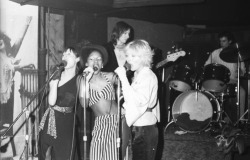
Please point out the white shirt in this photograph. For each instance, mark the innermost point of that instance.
(139, 96)
(215, 58)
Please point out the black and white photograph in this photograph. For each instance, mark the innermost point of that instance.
(124, 80)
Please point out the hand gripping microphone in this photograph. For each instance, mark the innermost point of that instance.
(62, 65)
(85, 73)
(127, 66)
(58, 70)
(84, 88)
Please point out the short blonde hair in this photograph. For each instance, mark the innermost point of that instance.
(143, 49)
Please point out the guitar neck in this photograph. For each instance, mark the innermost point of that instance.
(160, 64)
(171, 57)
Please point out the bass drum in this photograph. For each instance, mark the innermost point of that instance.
(193, 111)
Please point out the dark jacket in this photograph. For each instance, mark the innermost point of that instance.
(112, 61)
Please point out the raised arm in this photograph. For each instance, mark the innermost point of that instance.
(15, 48)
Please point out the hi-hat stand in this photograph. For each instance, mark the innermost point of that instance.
(239, 59)
(248, 108)
(221, 102)
(233, 54)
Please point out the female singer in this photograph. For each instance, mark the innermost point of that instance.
(140, 100)
(102, 101)
(57, 124)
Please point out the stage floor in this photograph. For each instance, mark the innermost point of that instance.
(180, 145)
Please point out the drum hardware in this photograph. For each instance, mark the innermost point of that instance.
(221, 100)
(172, 121)
(173, 94)
(236, 54)
(196, 89)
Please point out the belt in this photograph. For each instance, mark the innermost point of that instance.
(139, 128)
(149, 109)
(52, 120)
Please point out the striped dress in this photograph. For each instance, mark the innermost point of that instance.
(104, 138)
(104, 135)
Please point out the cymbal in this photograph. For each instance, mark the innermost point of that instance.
(230, 53)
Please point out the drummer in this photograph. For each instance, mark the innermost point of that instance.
(226, 40)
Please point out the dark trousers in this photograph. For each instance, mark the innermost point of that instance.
(144, 142)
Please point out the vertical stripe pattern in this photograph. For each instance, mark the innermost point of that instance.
(104, 138)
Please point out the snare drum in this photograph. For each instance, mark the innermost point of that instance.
(215, 77)
(193, 111)
(181, 78)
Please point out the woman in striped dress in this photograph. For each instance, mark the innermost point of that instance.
(101, 99)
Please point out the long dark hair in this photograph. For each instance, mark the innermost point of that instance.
(119, 29)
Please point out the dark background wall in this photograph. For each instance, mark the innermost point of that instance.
(197, 43)
(82, 26)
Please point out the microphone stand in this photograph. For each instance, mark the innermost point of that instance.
(118, 140)
(26, 147)
(25, 110)
(238, 86)
(84, 103)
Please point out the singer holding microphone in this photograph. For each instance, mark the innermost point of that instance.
(56, 128)
(140, 100)
(102, 101)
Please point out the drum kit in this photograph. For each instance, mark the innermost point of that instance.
(199, 102)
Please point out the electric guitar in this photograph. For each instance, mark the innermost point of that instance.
(170, 58)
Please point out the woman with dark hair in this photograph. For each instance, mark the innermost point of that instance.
(58, 123)
(122, 33)
(102, 101)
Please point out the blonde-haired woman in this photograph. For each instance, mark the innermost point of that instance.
(140, 99)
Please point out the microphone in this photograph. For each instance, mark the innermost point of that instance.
(58, 70)
(62, 65)
(127, 66)
(87, 72)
